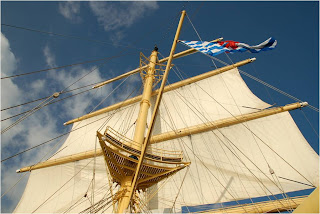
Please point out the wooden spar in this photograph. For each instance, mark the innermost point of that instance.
(130, 191)
(178, 55)
(175, 134)
(166, 89)
(223, 123)
(63, 160)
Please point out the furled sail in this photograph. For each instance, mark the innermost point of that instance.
(226, 164)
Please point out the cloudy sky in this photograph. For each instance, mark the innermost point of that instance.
(87, 31)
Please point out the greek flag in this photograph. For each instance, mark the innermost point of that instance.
(215, 48)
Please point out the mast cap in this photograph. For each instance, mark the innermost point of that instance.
(155, 48)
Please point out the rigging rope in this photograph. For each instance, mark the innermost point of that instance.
(257, 74)
(39, 99)
(62, 186)
(70, 36)
(245, 121)
(64, 36)
(29, 113)
(234, 144)
(268, 85)
(102, 101)
(252, 77)
(19, 153)
(49, 96)
(21, 177)
(192, 149)
(94, 170)
(165, 34)
(184, 177)
(99, 191)
(61, 66)
(60, 135)
(31, 169)
(199, 38)
(49, 103)
(253, 133)
(109, 117)
(96, 67)
(314, 130)
(64, 66)
(25, 103)
(218, 129)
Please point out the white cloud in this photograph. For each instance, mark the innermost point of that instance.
(24, 135)
(43, 125)
(50, 59)
(77, 105)
(8, 60)
(116, 37)
(70, 10)
(38, 85)
(10, 92)
(115, 15)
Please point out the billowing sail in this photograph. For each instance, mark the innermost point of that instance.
(221, 96)
(227, 164)
(234, 163)
(65, 188)
(68, 187)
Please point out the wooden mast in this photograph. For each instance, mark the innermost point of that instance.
(130, 184)
(145, 101)
(140, 127)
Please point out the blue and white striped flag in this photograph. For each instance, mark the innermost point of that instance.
(215, 48)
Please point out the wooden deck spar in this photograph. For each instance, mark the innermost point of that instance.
(174, 134)
(166, 89)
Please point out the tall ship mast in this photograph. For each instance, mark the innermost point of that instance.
(203, 144)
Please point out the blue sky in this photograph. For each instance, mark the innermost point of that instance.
(129, 28)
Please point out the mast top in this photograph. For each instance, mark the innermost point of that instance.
(155, 48)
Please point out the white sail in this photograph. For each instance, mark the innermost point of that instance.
(64, 188)
(216, 174)
(220, 96)
(232, 163)
(214, 98)
(77, 176)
